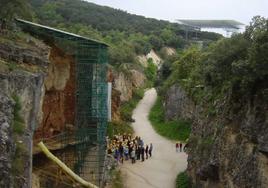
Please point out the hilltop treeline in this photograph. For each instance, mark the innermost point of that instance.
(236, 66)
(128, 35)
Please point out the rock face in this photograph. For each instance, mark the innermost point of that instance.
(169, 51)
(124, 83)
(156, 59)
(27, 87)
(31, 53)
(227, 148)
(176, 103)
(142, 60)
(6, 142)
(59, 96)
(43, 79)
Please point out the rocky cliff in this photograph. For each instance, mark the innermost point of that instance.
(124, 83)
(37, 101)
(156, 59)
(228, 146)
(21, 83)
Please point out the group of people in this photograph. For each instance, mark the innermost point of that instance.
(125, 147)
(180, 147)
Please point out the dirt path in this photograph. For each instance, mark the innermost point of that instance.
(161, 169)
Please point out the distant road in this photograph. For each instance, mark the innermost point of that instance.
(161, 169)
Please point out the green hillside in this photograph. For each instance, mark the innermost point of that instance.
(128, 35)
(112, 25)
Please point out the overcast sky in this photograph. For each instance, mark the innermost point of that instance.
(240, 10)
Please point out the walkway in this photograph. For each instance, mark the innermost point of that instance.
(161, 170)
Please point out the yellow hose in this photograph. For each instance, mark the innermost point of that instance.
(64, 167)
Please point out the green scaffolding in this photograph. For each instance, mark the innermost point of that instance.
(88, 148)
(91, 111)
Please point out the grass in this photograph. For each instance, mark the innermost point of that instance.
(174, 130)
(19, 159)
(182, 180)
(115, 128)
(117, 180)
(123, 126)
(127, 108)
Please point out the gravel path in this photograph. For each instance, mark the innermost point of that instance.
(161, 169)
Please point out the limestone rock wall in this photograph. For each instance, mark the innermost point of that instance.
(43, 79)
(124, 83)
(227, 148)
(22, 77)
(28, 88)
(7, 144)
(59, 98)
(156, 59)
(142, 60)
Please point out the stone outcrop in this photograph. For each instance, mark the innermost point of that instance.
(59, 96)
(169, 51)
(156, 59)
(43, 78)
(142, 60)
(228, 143)
(7, 145)
(28, 88)
(176, 102)
(30, 52)
(24, 82)
(124, 83)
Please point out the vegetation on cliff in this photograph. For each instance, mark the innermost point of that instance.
(121, 127)
(182, 180)
(10, 9)
(127, 34)
(151, 72)
(18, 126)
(227, 84)
(236, 65)
(174, 130)
(18, 122)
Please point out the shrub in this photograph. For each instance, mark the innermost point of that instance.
(19, 159)
(182, 180)
(118, 127)
(174, 130)
(18, 122)
(151, 71)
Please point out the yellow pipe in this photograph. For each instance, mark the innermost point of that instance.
(64, 167)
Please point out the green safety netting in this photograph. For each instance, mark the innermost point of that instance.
(87, 155)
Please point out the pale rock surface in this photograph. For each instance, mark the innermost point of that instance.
(156, 59)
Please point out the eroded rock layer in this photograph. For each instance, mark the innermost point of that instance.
(59, 99)
(229, 140)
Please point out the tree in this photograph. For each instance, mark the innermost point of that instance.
(156, 42)
(257, 25)
(121, 53)
(11, 9)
